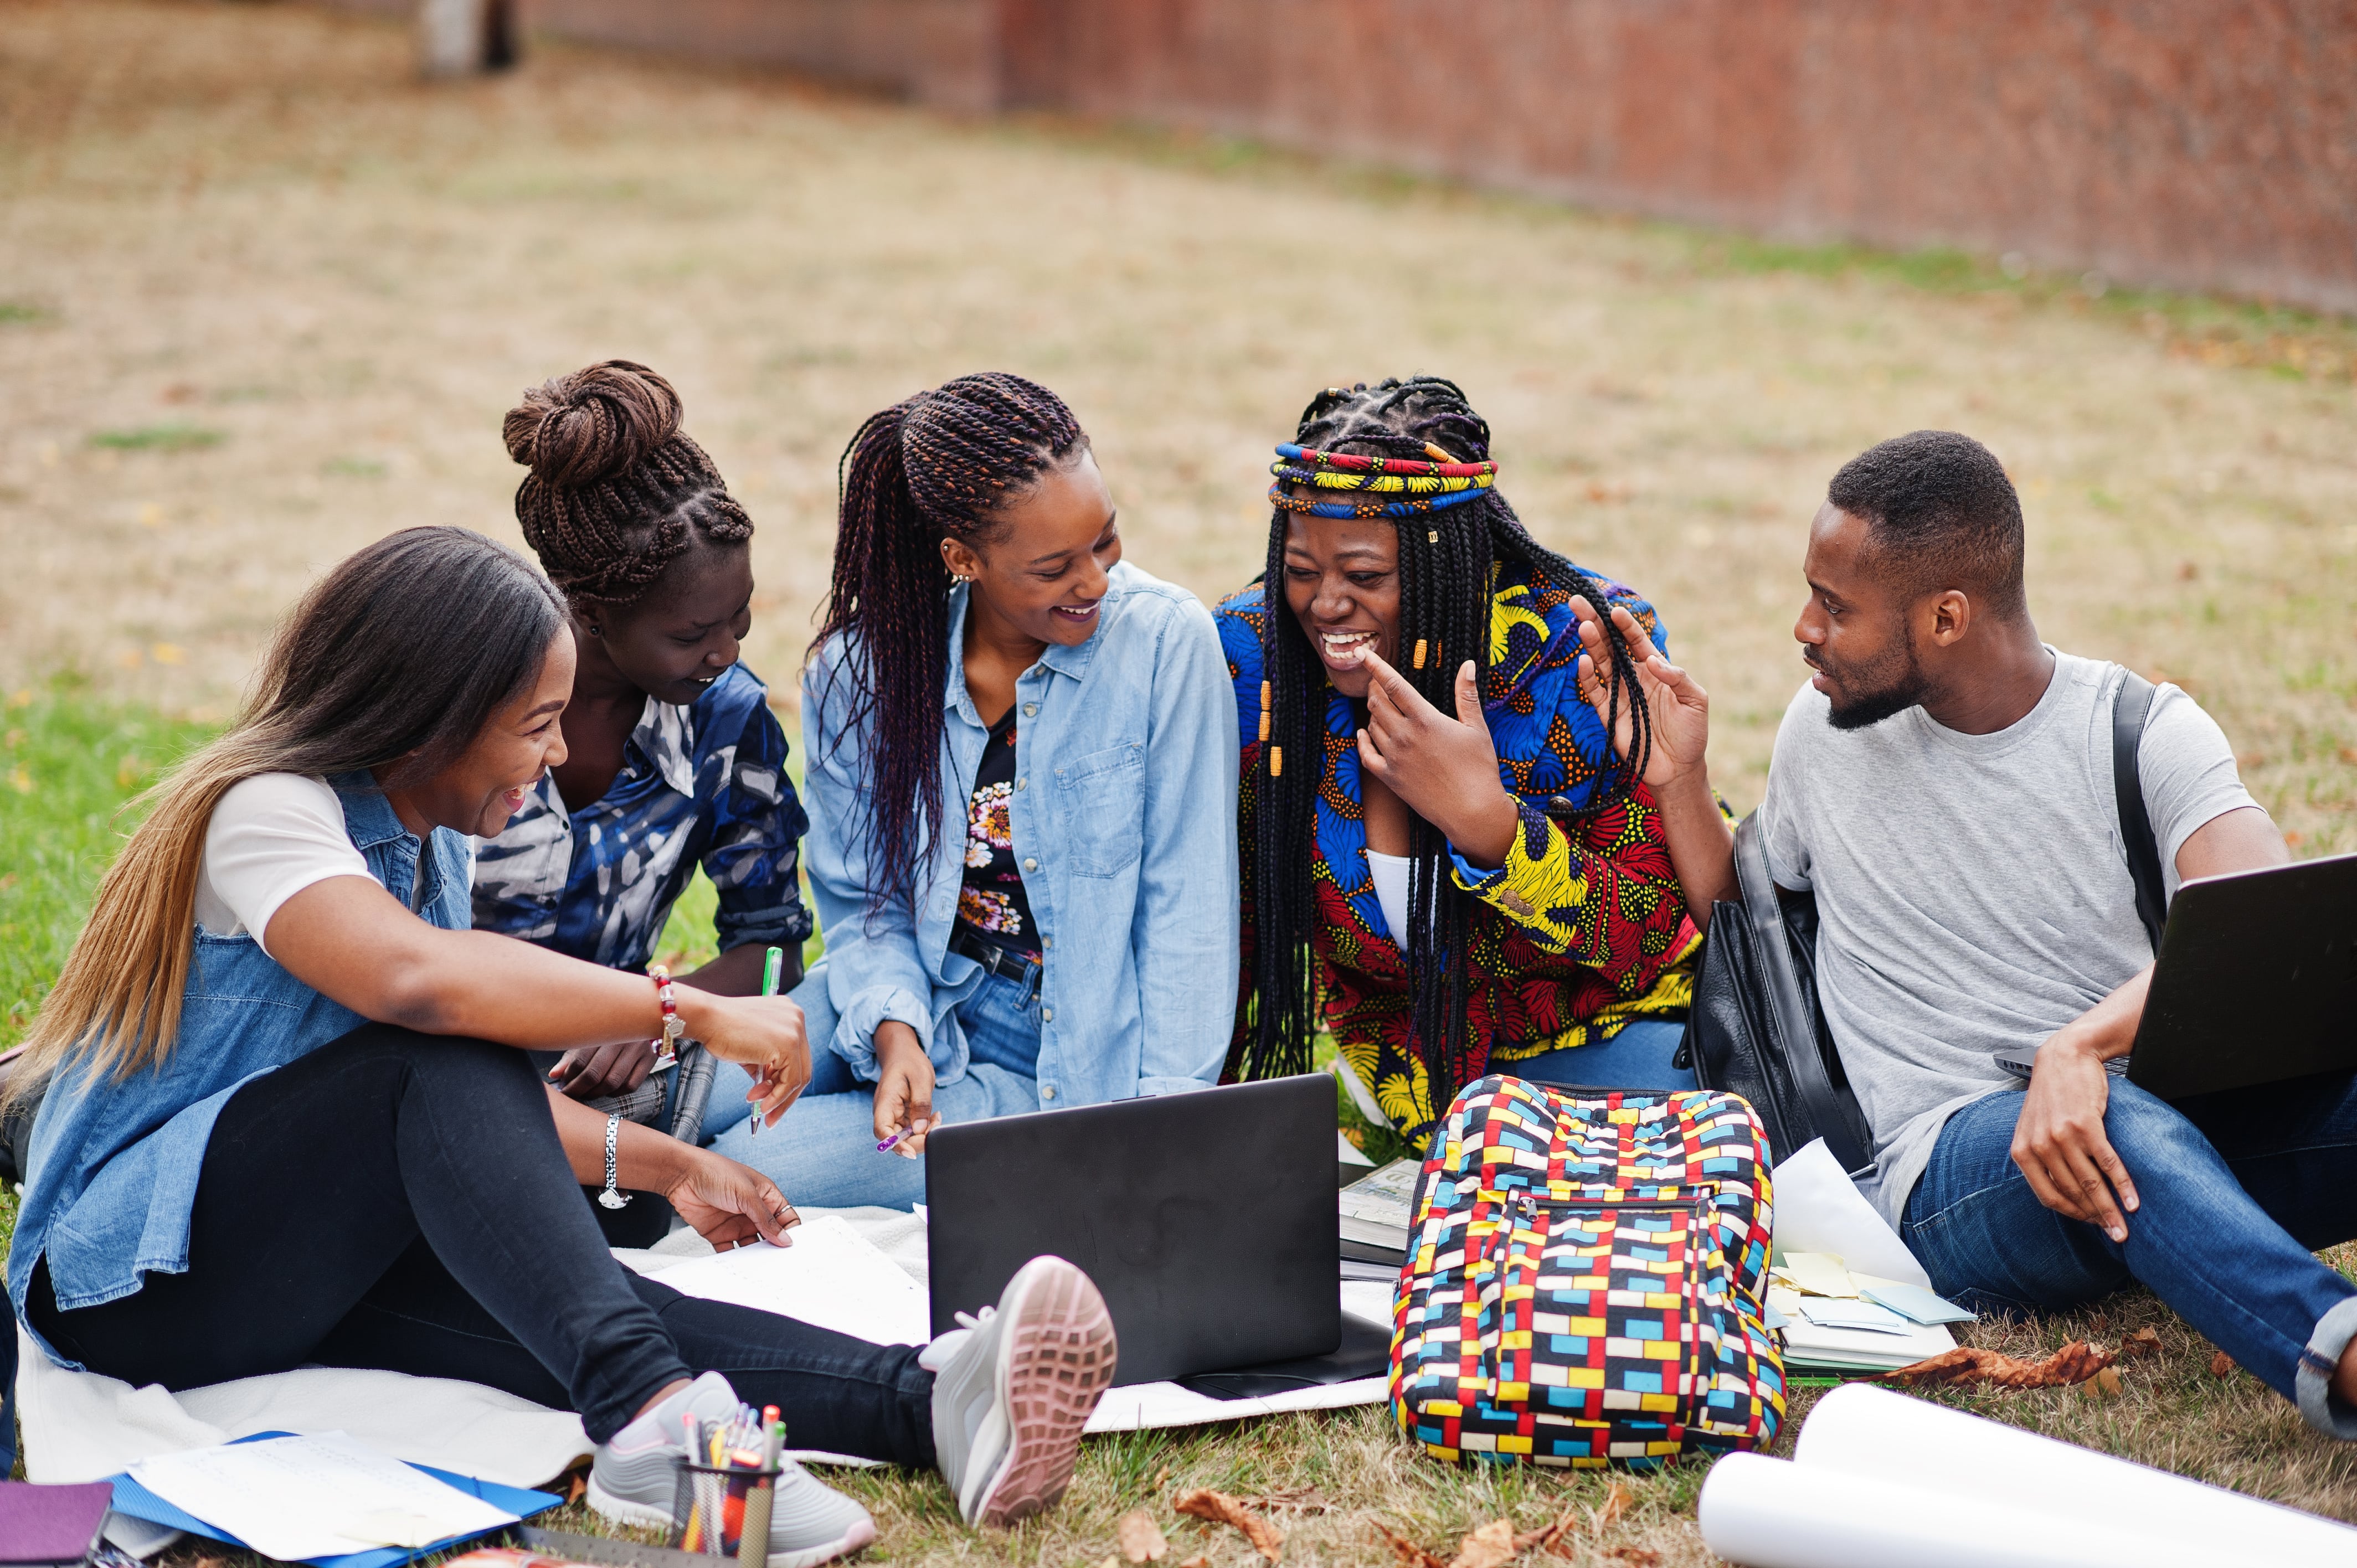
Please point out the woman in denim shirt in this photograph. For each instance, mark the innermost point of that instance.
(1021, 775)
(288, 1121)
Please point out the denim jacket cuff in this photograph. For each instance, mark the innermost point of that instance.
(856, 1026)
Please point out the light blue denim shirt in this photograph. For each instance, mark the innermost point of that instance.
(1125, 825)
(112, 1177)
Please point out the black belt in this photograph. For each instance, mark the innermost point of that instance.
(997, 959)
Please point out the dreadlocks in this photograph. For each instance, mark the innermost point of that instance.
(1449, 546)
(617, 489)
(940, 465)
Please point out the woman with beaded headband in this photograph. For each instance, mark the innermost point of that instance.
(1021, 779)
(1445, 861)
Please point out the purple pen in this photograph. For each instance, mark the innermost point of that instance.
(889, 1145)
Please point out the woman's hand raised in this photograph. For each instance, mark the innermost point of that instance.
(1680, 708)
(765, 1034)
(1444, 768)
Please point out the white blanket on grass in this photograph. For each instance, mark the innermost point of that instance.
(79, 1426)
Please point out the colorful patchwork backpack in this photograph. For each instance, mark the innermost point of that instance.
(1584, 1281)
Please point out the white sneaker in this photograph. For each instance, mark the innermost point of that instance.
(1013, 1389)
(635, 1477)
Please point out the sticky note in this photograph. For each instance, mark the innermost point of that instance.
(1912, 1300)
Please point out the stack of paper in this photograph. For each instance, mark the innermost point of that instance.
(1833, 1320)
(1376, 1212)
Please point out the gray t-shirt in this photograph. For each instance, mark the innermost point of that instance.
(1973, 893)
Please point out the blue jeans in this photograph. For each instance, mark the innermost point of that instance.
(823, 1152)
(1638, 1057)
(2236, 1191)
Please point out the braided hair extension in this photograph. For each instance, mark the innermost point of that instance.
(1447, 561)
(940, 465)
(617, 489)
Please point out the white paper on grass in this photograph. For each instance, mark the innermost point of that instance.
(1880, 1435)
(1775, 1513)
(831, 1276)
(324, 1495)
(1820, 1209)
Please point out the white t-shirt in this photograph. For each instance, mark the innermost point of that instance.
(1973, 893)
(1390, 874)
(271, 836)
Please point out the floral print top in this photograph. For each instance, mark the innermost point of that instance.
(991, 905)
(1582, 931)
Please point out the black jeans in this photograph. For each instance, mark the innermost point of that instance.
(400, 1200)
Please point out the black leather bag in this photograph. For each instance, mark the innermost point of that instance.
(1756, 1028)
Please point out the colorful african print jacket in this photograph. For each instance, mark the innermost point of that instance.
(1582, 931)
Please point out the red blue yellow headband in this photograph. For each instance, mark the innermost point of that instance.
(1434, 486)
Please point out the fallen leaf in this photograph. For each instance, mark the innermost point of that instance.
(1162, 1478)
(2104, 1385)
(580, 1485)
(2222, 1365)
(2142, 1343)
(1635, 1556)
(1966, 1365)
(1220, 1508)
(1201, 1560)
(1300, 1500)
(1140, 1538)
(1491, 1546)
(1616, 1503)
(1548, 1540)
(1409, 1552)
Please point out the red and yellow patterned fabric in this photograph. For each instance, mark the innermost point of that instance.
(1582, 931)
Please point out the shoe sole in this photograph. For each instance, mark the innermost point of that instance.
(619, 1511)
(1055, 1362)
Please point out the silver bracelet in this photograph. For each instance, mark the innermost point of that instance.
(612, 1198)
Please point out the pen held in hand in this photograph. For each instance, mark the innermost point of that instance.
(771, 966)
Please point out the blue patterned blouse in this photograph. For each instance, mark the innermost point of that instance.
(699, 785)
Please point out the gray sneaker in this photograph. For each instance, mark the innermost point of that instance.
(1013, 1389)
(634, 1477)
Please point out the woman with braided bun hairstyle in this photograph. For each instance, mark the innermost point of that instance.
(675, 757)
(1021, 776)
(1446, 861)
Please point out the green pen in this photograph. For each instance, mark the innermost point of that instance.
(771, 968)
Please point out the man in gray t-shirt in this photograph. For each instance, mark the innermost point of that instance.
(1943, 786)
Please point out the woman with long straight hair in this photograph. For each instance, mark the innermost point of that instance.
(1447, 862)
(1021, 784)
(286, 1120)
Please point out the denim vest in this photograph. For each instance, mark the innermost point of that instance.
(113, 1165)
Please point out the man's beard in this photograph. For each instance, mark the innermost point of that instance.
(1891, 684)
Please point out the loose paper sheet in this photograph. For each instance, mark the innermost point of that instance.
(831, 1276)
(323, 1495)
(1820, 1209)
(1819, 1273)
(1911, 1301)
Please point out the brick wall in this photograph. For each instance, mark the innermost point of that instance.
(2208, 144)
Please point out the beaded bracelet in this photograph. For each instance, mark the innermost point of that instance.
(666, 1045)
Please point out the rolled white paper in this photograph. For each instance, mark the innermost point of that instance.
(1772, 1513)
(1880, 1435)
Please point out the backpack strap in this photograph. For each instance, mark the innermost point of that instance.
(1789, 1012)
(2131, 705)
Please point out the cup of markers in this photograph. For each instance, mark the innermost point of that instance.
(727, 1481)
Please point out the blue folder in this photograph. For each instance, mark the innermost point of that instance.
(131, 1497)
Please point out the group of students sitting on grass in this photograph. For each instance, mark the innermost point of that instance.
(362, 1007)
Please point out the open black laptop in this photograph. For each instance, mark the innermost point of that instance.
(1207, 1219)
(2256, 983)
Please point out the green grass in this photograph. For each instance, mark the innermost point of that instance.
(68, 765)
(175, 436)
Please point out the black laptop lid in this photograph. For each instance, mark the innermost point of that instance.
(2256, 983)
(1207, 1219)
